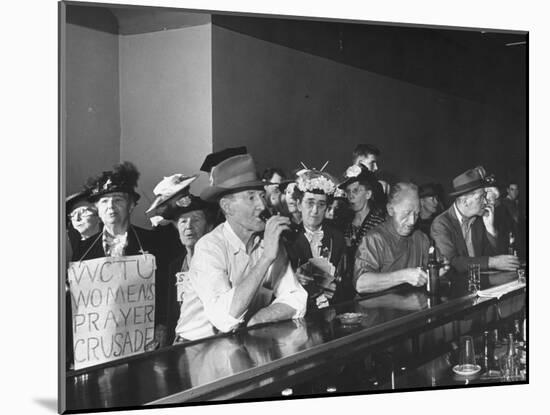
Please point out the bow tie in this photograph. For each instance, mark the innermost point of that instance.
(314, 237)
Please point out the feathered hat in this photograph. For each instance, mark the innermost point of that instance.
(123, 178)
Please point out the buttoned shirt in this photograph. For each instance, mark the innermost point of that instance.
(219, 263)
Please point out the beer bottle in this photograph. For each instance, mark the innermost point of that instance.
(512, 249)
(432, 285)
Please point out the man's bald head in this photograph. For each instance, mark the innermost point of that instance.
(403, 207)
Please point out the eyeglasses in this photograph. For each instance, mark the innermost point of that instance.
(310, 204)
(82, 212)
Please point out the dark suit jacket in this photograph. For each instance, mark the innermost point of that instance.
(299, 252)
(447, 234)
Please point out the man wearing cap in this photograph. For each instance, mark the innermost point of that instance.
(466, 233)
(429, 206)
(238, 274)
(394, 252)
(318, 240)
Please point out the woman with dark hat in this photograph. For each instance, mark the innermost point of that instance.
(115, 197)
(83, 221)
(430, 207)
(359, 184)
(192, 218)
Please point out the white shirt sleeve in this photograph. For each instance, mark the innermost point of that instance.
(210, 279)
(290, 292)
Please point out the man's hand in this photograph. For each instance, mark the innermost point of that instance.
(273, 228)
(489, 219)
(504, 262)
(445, 266)
(414, 276)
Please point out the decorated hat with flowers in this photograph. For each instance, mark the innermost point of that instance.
(316, 181)
(358, 173)
(171, 188)
(123, 178)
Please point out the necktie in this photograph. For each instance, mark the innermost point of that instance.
(467, 233)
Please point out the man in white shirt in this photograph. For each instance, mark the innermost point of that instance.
(240, 271)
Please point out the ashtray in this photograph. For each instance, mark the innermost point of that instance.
(466, 370)
(349, 319)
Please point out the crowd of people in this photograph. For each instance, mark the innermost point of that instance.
(253, 248)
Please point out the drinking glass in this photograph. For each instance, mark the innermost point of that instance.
(474, 278)
(467, 360)
(521, 275)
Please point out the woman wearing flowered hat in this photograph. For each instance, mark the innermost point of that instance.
(359, 184)
(318, 252)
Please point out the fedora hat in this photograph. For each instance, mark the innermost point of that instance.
(471, 180)
(170, 188)
(232, 175)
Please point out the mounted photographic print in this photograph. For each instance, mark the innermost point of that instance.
(260, 207)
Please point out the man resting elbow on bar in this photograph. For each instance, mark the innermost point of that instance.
(238, 274)
(394, 253)
(466, 233)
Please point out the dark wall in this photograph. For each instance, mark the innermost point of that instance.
(92, 94)
(436, 103)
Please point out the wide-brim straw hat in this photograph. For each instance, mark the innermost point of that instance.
(171, 188)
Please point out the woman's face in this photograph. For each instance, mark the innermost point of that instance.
(84, 218)
(115, 208)
(331, 209)
(290, 202)
(191, 227)
(358, 196)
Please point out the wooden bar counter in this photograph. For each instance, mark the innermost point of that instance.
(404, 340)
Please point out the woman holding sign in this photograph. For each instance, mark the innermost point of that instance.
(112, 276)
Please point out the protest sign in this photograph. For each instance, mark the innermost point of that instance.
(113, 307)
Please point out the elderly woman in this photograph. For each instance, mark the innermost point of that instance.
(83, 219)
(115, 199)
(192, 218)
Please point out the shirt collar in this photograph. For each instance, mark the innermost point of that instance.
(461, 218)
(234, 241)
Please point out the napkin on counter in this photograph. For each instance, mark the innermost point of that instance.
(499, 291)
